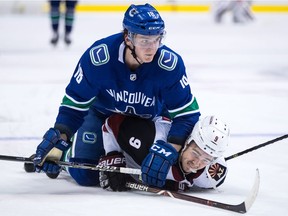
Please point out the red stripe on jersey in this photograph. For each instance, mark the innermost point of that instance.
(114, 122)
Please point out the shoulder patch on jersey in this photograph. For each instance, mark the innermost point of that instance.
(217, 171)
(99, 55)
(167, 60)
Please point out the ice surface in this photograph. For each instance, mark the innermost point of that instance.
(238, 72)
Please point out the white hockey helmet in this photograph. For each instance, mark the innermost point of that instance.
(211, 135)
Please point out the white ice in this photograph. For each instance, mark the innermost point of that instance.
(238, 72)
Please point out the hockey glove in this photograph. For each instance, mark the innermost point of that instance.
(157, 163)
(50, 149)
(112, 180)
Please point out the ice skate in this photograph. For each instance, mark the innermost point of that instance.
(55, 38)
(67, 38)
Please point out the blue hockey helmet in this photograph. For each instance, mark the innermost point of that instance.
(144, 20)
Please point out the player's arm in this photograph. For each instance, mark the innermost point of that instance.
(74, 106)
(183, 110)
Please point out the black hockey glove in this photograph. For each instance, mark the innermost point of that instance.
(112, 180)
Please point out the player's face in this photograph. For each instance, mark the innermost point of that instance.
(193, 158)
(146, 46)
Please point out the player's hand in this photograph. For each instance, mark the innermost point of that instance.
(157, 163)
(112, 180)
(49, 150)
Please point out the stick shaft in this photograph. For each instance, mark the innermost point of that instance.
(257, 147)
(15, 158)
(131, 171)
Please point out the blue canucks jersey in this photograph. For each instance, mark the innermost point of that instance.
(103, 82)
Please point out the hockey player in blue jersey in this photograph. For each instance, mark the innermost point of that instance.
(131, 73)
(200, 162)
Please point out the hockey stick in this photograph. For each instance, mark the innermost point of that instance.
(240, 208)
(243, 207)
(131, 171)
(256, 147)
(125, 170)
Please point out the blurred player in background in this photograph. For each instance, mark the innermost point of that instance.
(240, 9)
(55, 15)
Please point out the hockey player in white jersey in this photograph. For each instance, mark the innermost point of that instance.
(130, 141)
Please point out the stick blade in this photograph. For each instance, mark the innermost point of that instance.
(254, 192)
(246, 205)
(243, 207)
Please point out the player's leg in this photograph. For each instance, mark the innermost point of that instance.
(247, 10)
(242, 12)
(87, 148)
(219, 9)
(55, 18)
(69, 20)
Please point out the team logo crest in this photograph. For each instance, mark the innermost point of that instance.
(89, 137)
(217, 171)
(132, 12)
(167, 60)
(133, 77)
(99, 55)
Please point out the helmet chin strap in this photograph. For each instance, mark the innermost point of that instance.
(133, 53)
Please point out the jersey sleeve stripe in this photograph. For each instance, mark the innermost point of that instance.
(183, 107)
(189, 108)
(76, 105)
